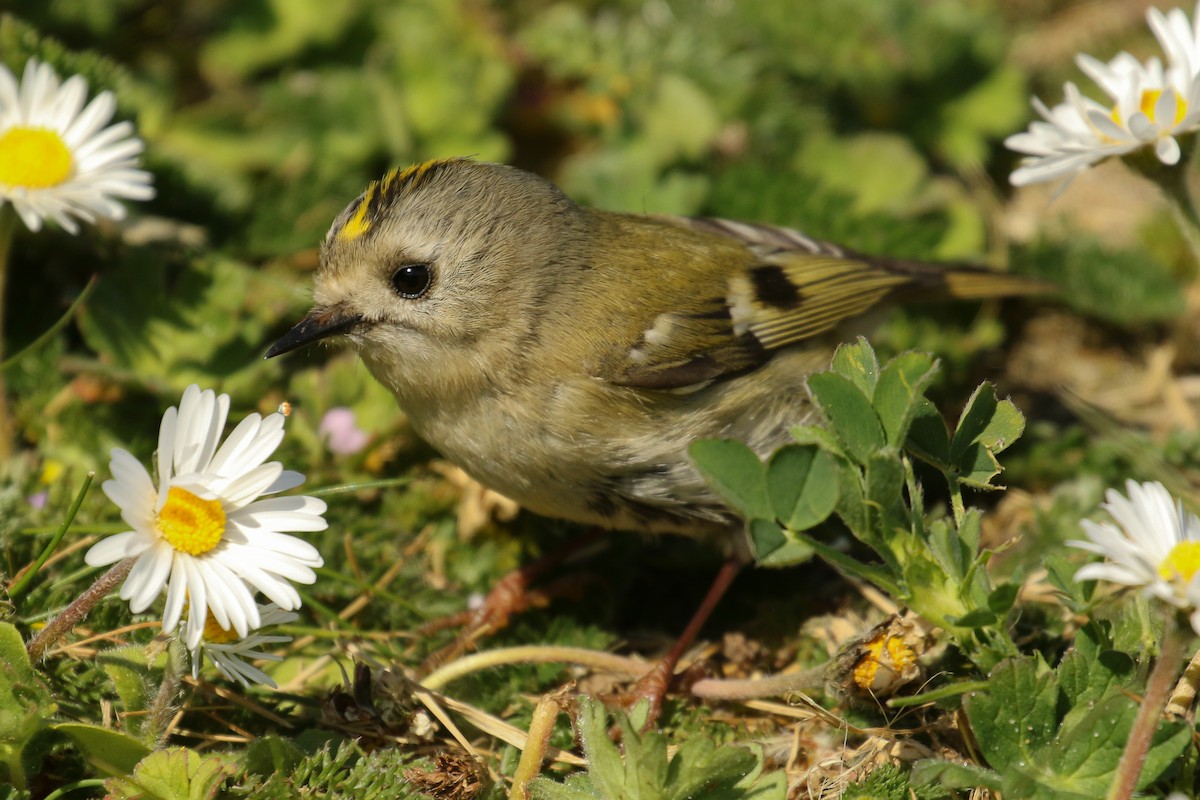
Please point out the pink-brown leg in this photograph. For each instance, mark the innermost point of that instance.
(654, 685)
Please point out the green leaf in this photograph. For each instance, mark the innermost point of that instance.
(802, 482)
(778, 548)
(977, 618)
(267, 755)
(849, 413)
(974, 421)
(773, 548)
(1062, 734)
(899, 392)
(1085, 758)
(955, 548)
(1017, 717)
(885, 498)
(735, 473)
(575, 787)
(857, 363)
(126, 667)
(1003, 598)
(1060, 572)
(111, 752)
(700, 770)
(928, 438)
(852, 505)
(175, 773)
(766, 537)
(1091, 670)
(605, 768)
(816, 435)
(987, 426)
(953, 775)
(26, 705)
(16, 671)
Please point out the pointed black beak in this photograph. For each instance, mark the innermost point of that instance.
(319, 324)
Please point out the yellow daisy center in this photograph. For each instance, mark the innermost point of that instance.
(215, 634)
(191, 524)
(33, 158)
(1182, 563)
(1147, 104)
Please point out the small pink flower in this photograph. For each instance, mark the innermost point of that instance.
(340, 432)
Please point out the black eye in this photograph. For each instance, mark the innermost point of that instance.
(412, 280)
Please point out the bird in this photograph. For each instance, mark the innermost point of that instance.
(567, 356)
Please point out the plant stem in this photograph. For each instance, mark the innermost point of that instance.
(533, 654)
(162, 707)
(540, 728)
(77, 611)
(8, 228)
(1172, 179)
(807, 680)
(956, 501)
(21, 583)
(1150, 713)
(1174, 185)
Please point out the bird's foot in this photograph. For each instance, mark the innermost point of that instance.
(510, 595)
(651, 688)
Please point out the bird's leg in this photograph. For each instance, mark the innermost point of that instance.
(653, 686)
(510, 595)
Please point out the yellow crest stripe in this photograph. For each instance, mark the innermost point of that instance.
(384, 190)
(358, 224)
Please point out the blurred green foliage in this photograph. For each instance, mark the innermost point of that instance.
(877, 125)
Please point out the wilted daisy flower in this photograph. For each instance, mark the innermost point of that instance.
(203, 534)
(1154, 546)
(1149, 105)
(57, 160)
(232, 654)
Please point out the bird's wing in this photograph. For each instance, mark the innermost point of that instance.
(792, 289)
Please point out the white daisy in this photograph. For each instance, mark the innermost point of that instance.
(231, 655)
(1149, 106)
(1155, 546)
(57, 160)
(204, 535)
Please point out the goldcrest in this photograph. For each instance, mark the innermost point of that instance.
(566, 356)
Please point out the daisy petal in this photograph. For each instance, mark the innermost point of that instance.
(117, 547)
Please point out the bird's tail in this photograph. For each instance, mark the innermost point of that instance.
(962, 282)
(978, 284)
